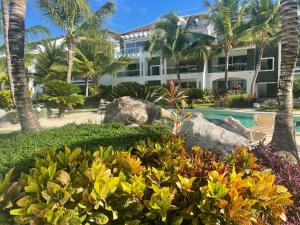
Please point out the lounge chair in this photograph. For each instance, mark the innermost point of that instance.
(264, 126)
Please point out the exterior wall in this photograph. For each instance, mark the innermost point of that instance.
(269, 76)
(240, 75)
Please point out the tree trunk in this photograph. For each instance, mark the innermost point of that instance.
(95, 81)
(226, 72)
(178, 74)
(61, 110)
(86, 87)
(5, 18)
(16, 36)
(70, 46)
(284, 132)
(257, 68)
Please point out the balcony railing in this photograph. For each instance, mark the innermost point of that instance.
(183, 69)
(129, 73)
(231, 67)
(129, 52)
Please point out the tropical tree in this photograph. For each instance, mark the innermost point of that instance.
(30, 32)
(228, 18)
(74, 17)
(172, 39)
(262, 29)
(50, 61)
(5, 21)
(16, 37)
(284, 132)
(62, 94)
(95, 57)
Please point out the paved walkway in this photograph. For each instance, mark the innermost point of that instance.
(77, 117)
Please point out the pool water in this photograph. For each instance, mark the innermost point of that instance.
(246, 119)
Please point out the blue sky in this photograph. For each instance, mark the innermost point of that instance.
(130, 13)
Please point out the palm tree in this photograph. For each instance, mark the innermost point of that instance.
(284, 132)
(16, 37)
(51, 62)
(172, 39)
(71, 16)
(5, 18)
(32, 31)
(95, 57)
(227, 18)
(262, 29)
(62, 94)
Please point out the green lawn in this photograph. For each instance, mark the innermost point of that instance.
(19, 149)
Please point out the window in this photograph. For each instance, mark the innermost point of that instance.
(267, 64)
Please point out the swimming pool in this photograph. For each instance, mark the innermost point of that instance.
(247, 119)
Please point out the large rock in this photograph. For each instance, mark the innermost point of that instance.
(197, 131)
(134, 111)
(8, 118)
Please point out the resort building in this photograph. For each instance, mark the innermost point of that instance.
(205, 74)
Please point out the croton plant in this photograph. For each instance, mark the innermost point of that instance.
(153, 183)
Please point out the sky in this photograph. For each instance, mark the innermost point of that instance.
(130, 13)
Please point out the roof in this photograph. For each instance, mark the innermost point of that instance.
(152, 25)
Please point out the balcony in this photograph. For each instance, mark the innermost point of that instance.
(183, 69)
(232, 68)
(129, 73)
(130, 52)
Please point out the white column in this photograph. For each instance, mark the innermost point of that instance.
(204, 74)
(141, 61)
(279, 60)
(161, 68)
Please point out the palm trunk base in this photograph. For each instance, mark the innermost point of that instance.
(283, 143)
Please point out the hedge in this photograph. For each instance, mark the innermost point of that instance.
(19, 150)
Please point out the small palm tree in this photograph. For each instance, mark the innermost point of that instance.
(62, 94)
(284, 131)
(172, 39)
(227, 18)
(95, 57)
(50, 61)
(16, 37)
(262, 29)
(74, 17)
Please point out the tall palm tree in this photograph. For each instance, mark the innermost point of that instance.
(5, 20)
(172, 39)
(227, 18)
(262, 29)
(284, 132)
(16, 36)
(95, 57)
(32, 31)
(72, 15)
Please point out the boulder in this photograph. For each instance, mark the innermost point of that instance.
(241, 129)
(197, 131)
(8, 118)
(134, 111)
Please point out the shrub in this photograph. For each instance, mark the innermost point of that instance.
(296, 88)
(62, 94)
(135, 90)
(235, 101)
(10, 192)
(6, 101)
(20, 149)
(198, 96)
(270, 104)
(155, 183)
(286, 174)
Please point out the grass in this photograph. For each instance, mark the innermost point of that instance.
(19, 149)
(204, 105)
